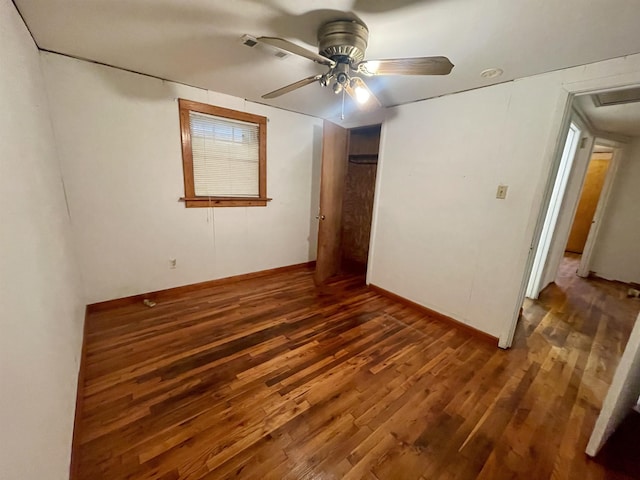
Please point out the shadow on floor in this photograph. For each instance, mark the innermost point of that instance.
(621, 453)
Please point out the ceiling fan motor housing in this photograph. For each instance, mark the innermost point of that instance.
(342, 44)
(343, 38)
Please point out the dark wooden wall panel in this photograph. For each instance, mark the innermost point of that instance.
(357, 211)
(357, 207)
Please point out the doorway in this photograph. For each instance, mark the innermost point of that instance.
(347, 190)
(540, 273)
(357, 205)
(588, 202)
(613, 151)
(576, 209)
(606, 127)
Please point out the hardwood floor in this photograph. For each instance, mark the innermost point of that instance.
(272, 378)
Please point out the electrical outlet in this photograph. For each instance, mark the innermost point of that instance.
(501, 193)
(172, 263)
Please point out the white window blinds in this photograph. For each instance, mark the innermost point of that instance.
(225, 156)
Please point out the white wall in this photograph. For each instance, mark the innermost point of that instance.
(616, 254)
(440, 236)
(119, 141)
(622, 396)
(42, 312)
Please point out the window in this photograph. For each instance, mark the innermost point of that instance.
(223, 156)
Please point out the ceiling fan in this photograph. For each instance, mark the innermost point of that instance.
(341, 47)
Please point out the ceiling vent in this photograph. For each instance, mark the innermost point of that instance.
(618, 97)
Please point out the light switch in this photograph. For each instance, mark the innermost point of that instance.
(501, 193)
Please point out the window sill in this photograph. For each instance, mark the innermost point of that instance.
(204, 202)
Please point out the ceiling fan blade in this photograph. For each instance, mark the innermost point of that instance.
(407, 66)
(364, 98)
(292, 87)
(290, 47)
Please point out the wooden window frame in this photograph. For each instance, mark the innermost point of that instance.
(190, 198)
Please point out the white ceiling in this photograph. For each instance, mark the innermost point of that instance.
(197, 41)
(619, 119)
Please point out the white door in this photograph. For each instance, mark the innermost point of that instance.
(551, 218)
(622, 395)
(568, 209)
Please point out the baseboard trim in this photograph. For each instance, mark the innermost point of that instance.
(594, 276)
(170, 292)
(77, 419)
(436, 315)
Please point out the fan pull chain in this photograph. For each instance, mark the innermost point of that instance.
(342, 112)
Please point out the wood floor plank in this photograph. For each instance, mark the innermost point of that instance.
(274, 377)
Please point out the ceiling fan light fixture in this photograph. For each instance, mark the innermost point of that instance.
(342, 78)
(362, 94)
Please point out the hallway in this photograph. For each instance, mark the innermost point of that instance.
(592, 316)
(573, 306)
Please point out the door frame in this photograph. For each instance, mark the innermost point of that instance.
(568, 206)
(321, 217)
(557, 203)
(603, 200)
(376, 203)
(556, 145)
